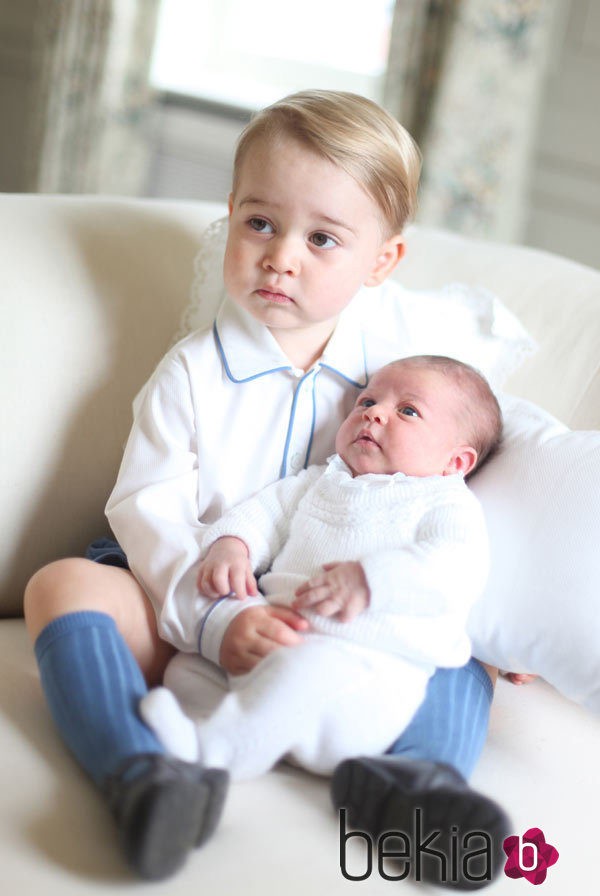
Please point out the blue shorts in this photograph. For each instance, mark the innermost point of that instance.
(107, 551)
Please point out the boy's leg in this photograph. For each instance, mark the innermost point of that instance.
(425, 770)
(451, 724)
(83, 619)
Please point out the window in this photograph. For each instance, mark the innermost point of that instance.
(248, 53)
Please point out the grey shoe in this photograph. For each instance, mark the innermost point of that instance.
(432, 805)
(164, 808)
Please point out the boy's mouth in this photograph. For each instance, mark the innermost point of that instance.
(279, 298)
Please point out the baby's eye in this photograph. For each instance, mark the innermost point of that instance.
(409, 411)
(365, 403)
(323, 241)
(260, 225)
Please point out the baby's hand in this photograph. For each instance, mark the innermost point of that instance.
(341, 590)
(226, 571)
(255, 633)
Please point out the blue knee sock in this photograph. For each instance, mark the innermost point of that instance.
(93, 687)
(451, 724)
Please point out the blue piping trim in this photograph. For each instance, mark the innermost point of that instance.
(346, 378)
(247, 379)
(204, 619)
(314, 417)
(283, 468)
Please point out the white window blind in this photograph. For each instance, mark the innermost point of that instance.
(248, 53)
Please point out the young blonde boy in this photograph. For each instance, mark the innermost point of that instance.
(323, 185)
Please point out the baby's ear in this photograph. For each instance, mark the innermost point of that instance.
(230, 203)
(388, 257)
(462, 461)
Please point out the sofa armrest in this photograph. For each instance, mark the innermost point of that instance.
(92, 290)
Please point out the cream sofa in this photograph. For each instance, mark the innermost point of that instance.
(91, 291)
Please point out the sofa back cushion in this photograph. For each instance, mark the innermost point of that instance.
(557, 300)
(92, 292)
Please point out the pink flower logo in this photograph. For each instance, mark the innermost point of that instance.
(529, 856)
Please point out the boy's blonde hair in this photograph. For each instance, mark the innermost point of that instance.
(352, 132)
(483, 417)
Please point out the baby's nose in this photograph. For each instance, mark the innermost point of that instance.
(376, 413)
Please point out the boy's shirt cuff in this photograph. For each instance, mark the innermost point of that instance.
(216, 621)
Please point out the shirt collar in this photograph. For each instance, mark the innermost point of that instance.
(247, 348)
(371, 332)
(354, 351)
(345, 352)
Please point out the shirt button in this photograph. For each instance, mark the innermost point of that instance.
(296, 462)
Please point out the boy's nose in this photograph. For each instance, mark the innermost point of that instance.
(281, 256)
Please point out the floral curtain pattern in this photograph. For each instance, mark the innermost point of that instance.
(466, 78)
(91, 102)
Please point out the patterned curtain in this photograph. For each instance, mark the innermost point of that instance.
(90, 105)
(466, 78)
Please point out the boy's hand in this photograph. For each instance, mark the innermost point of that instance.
(226, 570)
(256, 632)
(341, 590)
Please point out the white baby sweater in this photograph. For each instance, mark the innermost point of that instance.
(422, 543)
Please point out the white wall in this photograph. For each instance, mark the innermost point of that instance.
(564, 208)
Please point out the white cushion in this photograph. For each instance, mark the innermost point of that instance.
(541, 609)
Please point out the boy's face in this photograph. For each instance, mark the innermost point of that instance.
(407, 420)
(303, 238)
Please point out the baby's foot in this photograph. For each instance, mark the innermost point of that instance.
(177, 733)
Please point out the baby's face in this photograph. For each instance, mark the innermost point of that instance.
(303, 237)
(408, 420)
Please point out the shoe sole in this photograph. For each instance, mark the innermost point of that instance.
(215, 782)
(176, 817)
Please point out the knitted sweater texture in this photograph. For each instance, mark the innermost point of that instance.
(421, 541)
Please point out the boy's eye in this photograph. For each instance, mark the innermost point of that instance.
(409, 411)
(260, 225)
(323, 241)
(366, 403)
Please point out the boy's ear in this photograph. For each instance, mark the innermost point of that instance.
(462, 461)
(230, 203)
(388, 257)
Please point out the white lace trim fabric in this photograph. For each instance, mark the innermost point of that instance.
(502, 325)
(207, 291)
(468, 322)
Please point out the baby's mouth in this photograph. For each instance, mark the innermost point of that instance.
(365, 436)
